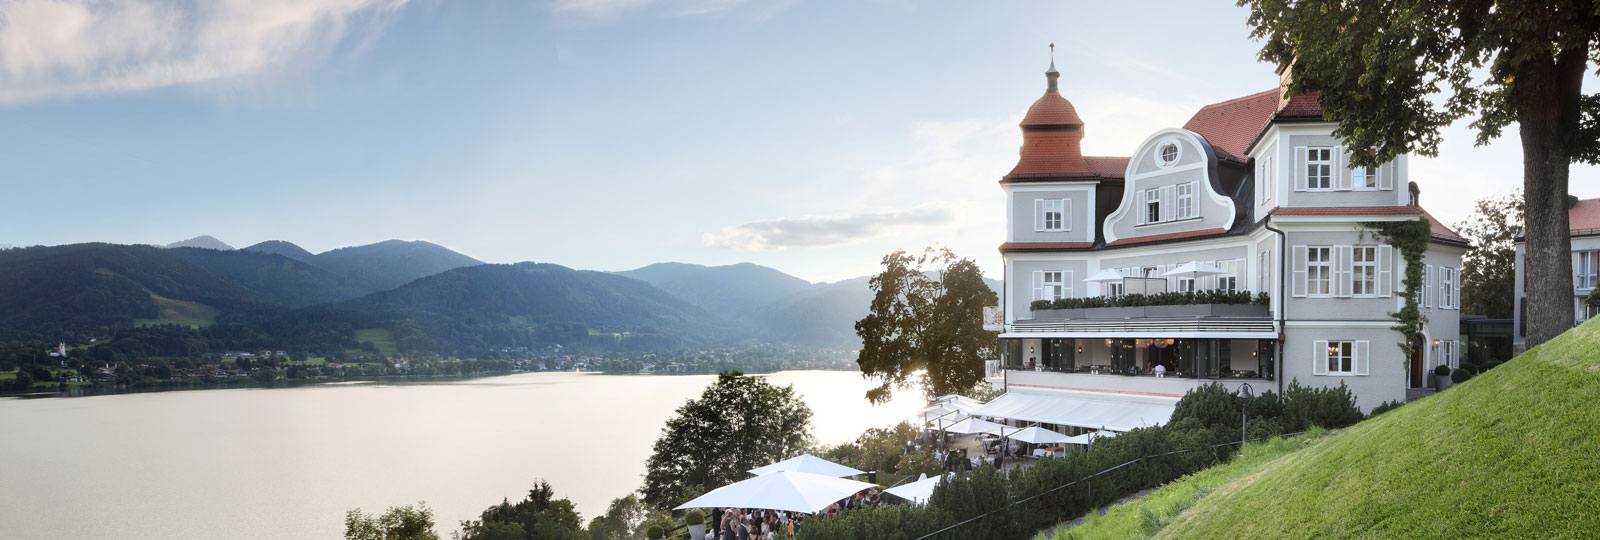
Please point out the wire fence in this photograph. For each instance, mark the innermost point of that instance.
(1088, 481)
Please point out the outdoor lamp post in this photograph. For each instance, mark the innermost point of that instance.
(1246, 393)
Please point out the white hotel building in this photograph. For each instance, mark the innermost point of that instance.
(1256, 186)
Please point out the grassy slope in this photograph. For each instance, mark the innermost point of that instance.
(1146, 516)
(1514, 452)
(180, 312)
(381, 337)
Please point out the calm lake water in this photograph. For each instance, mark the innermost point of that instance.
(287, 463)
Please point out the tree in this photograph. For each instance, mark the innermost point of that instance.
(624, 519)
(399, 523)
(739, 423)
(540, 516)
(926, 324)
(1393, 73)
(1489, 271)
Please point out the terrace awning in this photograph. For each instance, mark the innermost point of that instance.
(1095, 410)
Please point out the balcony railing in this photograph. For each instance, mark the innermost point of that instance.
(994, 320)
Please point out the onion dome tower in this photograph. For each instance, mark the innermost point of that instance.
(1051, 136)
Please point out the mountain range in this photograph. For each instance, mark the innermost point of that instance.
(418, 295)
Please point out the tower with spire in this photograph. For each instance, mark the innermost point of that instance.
(1052, 135)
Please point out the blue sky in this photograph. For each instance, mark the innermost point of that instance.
(812, 137)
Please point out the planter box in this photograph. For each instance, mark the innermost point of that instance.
(1134, 312)
(1048, 314)
(1441, 382)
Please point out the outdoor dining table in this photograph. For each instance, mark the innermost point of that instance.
(1056, 451)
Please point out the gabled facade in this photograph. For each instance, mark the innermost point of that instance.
(1583, 223)
(1257, 187)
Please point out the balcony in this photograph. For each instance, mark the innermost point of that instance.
(1169, 386)
(1239, 321)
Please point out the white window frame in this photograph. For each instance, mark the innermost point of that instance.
(1264, 179)
(1054, 289)
(1361, 176)
(1326, 264)
(1447, 288)
(1364, 282)
(1322, 163)
(1263, 279)
(1342, 354)
(1161, 153)
(1114, 288)
(1185, 284)
(1152, 204)
(1587, 270)
(1053, 215)
(1186, 201)
(1228, 281)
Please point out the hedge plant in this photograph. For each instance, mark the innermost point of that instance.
(1209, 296)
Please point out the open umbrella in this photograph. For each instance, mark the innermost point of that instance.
(918, 492)
(1038, 435)
(782, 490)
(975, 425)
(942, 413)
(958, 402)
(810, 464)
(1109, 274)
(1195, 269)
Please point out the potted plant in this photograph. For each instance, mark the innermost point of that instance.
(695, 521)
(655, 532)
(1441, 377)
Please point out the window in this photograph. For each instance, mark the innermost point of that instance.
(1365, 281)
(1447, 287)
(1167, 154)
(1341, 358)
(1588, 262)
(1152, 205)
(1054, 286)
(1148, 272)
(1319, 168)
(1264, 261)
(1114, 289)
(1230, 280)
(1319, 271)
(1364, 177)
(1585, 311)
(1186, 284)
(1186, 200)
(1052, 215)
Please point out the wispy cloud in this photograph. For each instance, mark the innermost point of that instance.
(602, 10)
(821, 231)
(62, 48)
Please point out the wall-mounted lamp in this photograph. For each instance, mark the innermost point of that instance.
(1108, 342)
(1435, 343)
(1253, 354)
(1080, 349)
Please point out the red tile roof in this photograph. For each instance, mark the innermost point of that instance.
(1231, 125)
(1042, 246)
(1443, 232)
(1107, 166)
(1051, 110)
(1051, 154)
(1584, 217)
(1169, 236)
(1301, 107)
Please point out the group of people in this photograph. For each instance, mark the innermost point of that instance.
(755, 524)
(957, 461)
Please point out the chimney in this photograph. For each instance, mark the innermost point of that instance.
(1285, 75)
(1416, 195)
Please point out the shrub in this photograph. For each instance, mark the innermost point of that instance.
(655, 532)
(1328, 407)
(1442, 370)
(1211, 296)
(1392, 405)
(1461, 375)
(694, 517)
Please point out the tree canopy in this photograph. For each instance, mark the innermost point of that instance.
(1394, 73)
(540, 516)
(1489, 270)
(739, 423)
(926, 324)
(398, 523)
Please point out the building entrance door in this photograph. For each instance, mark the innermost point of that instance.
(1416, 366)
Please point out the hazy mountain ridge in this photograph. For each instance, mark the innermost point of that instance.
(203, 241)
(391, 263)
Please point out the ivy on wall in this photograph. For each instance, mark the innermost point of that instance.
(1411, 238)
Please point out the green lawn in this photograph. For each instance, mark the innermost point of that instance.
(381, 337)
(1145, 516)
(1511, 453)
(180, 312)
(7, 375)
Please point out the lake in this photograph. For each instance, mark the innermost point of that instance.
(287, 463)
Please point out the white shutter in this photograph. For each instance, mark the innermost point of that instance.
(1299, 168)
(1038, 215)
(1144, 206)
(1385, 274)
(1386, 175)
(1319, 357)
(1427, 285)
(1341, 168)
(1363, 348)
(1169, 203)
(1344, 260)
(1299, 287)
(1066, 284)
(1038, 285)
(1458, 290)
(1066, 215)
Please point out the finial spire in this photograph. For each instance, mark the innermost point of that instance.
(1052, 74)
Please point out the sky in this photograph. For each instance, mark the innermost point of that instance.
(812, 137)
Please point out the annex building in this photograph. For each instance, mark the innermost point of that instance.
(1251, 195)
(1583, 224)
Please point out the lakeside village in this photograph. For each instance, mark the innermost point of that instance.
(65, 368)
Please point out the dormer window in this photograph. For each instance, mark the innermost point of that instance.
(1168, 153)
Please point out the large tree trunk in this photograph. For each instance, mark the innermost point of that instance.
(1548, 92)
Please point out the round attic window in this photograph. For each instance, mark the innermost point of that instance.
(1167, 153)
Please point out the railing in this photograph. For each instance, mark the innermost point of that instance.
(991, 368)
